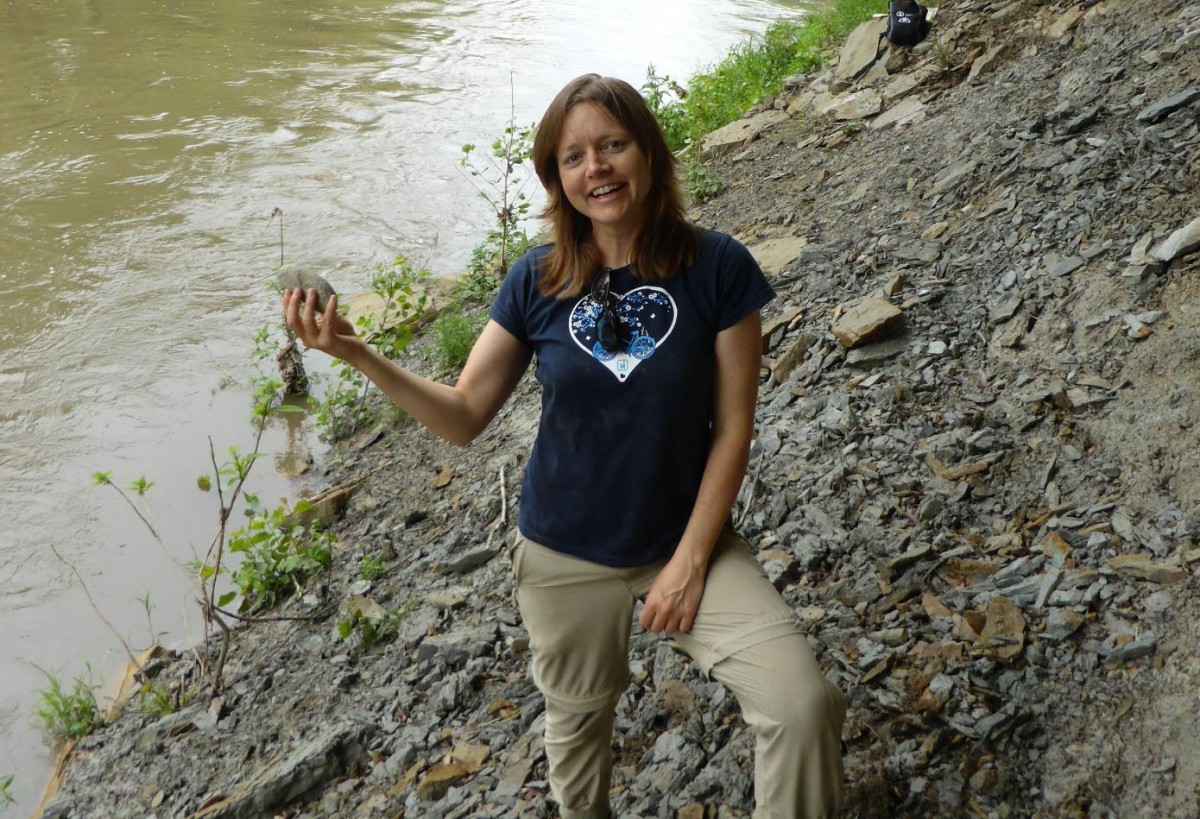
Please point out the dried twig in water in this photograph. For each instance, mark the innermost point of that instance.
(92, 602)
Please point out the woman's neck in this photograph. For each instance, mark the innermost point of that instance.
(614, 250)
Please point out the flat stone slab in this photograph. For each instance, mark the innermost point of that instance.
(856, 105)
(739, 134)
(774, 255)
(905, 112)
(869, 320)
(1165, 107)
(860, 49)
(1180, 243)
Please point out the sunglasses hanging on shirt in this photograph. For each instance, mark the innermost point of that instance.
(608, 328)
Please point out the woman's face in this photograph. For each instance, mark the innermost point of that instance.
(603, 171)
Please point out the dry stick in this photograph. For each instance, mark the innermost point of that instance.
(154, 532)
(136, 511)
(95, 608)
(503, 499)
(316, 615)
(278, 212)
(208, 603)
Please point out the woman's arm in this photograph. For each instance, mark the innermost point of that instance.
(674, 597)
(456, 412)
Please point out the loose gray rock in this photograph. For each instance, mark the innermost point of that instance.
(290, 277)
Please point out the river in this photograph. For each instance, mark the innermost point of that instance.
(143, 150)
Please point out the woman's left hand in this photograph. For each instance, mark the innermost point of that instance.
(674, 596)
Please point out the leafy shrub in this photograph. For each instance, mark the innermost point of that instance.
(278, 554)
(400, 288)
(68, 713)
(751, 71)
(371, 567)
(453, 336)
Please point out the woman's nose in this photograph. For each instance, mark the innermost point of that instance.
(597, 163)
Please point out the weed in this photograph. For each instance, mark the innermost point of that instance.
(664, 96)
(749, 72)
(489, 262)
(67, 713)
(453, 336)
(161, 699)
(148, 607)
(278, 554)
(6, 797)
(499, 176)
(275, 361)
(700, 182)
(371, 567)
(852, 128)
(372, 624)
(399, 288)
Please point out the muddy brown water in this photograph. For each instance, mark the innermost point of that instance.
(143, 149)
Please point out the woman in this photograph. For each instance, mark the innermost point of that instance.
(647, 333)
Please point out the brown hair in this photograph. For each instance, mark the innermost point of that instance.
(667, 242)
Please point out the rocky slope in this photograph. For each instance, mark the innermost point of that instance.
(975, 477)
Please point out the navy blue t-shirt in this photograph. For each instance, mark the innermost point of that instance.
(624, 437)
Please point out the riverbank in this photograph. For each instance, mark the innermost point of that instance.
(974, 478)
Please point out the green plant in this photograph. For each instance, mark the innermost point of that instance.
(750, 71)
(148, 607)
(6, 797)
(372, 623)
(278, 367)
(399, 287)
(371, 567)
(664, 96)
(453, 336)
(700, 182)
(69, 712)
(852, 128)
(499, 176)
(161, 699)
(229, 483)
(489, 262)
(278, 554)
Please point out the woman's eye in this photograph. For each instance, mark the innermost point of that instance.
(614, 145)
(570, 159)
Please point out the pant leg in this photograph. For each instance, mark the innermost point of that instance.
(745, 635)
(578, 615)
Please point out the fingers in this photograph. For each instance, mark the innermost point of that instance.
(299, 314)
(329, 319)
(660, 616)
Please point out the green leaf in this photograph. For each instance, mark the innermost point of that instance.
(225, 599)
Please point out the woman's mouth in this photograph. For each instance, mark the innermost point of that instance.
(604, 190)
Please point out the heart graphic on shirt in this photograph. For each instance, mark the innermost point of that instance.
(646, 316)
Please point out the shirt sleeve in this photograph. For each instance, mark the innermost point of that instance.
(742, 286)
(510, 308)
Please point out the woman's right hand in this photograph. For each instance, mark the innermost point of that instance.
(328, 332)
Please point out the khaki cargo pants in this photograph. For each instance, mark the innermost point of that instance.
(579, 616)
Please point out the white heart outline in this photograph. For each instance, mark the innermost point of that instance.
(622, 364)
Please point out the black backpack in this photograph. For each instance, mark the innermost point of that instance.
(907, 24)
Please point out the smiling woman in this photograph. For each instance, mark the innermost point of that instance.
(668, 456)
(142, 151)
